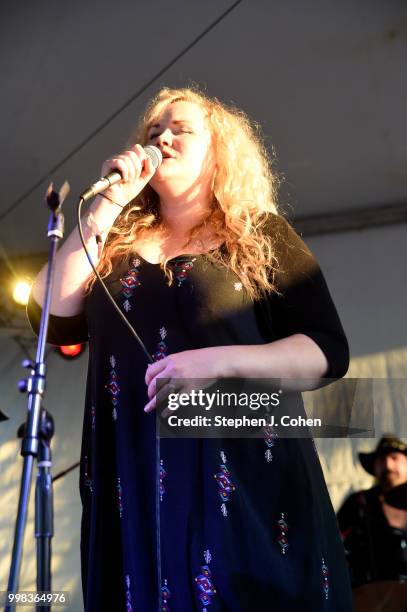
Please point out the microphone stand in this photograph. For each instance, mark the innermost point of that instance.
(38, 430)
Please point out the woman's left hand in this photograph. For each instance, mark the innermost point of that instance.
(186, 366)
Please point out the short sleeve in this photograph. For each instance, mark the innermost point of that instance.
(62, 331)
(304, 305)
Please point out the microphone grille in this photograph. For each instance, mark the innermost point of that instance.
(154, 154)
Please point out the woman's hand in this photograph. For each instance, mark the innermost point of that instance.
(297, 363)
(189, 367)
(136, 169)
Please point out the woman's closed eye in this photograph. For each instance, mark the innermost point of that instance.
(181, 130)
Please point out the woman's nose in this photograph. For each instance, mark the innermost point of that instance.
(165, 137)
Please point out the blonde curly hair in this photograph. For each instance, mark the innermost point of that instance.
(244, 196)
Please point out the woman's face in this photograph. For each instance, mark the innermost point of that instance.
(181, 133)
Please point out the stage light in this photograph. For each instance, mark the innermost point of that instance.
(21, 292)
(71, 351)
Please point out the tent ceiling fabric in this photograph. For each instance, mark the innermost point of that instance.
(322, 78)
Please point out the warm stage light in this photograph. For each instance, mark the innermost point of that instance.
(71, 351)
(21, 292)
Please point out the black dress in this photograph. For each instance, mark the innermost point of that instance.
(201, 524)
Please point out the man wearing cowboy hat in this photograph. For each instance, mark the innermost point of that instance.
(375, 533)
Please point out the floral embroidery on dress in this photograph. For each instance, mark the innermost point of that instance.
(163, 474)
(93, 417)
(269, 437)
(130, 282)
(87, 481)
(282, 537)
(238, 286)
(224, 480)
(181, 269)
(162, 348)
(325, 578)
(113, 387)
(129, 607)
(165, 596)
(206, 589)
(119, 497)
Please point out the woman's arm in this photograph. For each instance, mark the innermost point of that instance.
(303, 315)
(305, 344)
(296, 357)
(72, 268)
(296, 362)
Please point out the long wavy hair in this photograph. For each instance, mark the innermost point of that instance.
(244, 195)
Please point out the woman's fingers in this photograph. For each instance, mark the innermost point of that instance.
(148, 169)
(132, 164)
(154, 368)
(135, 164)
(161, 397)
(152, 386)
(135, 168)
(118, 163)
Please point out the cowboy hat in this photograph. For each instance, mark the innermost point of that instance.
(387, 444)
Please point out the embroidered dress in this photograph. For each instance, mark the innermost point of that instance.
(211, 525)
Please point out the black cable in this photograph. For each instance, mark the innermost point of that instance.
(131, 328)
(66, 471)
(105, 289)
(113, 116)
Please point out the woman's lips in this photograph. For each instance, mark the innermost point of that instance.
(167, 155)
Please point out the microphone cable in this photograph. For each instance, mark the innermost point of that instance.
(105, 289)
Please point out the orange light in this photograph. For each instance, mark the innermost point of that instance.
(71, 351)
(21, 292)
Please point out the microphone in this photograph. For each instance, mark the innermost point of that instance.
(114, 176)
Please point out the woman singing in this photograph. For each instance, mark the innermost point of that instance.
(219, 286)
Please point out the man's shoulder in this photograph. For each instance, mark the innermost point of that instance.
(360, 499)
(371, 491)
(363, 494)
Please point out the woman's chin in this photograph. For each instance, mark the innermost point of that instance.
(165, 174)
(163, 171)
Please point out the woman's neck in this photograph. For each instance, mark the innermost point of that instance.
(180, 214)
